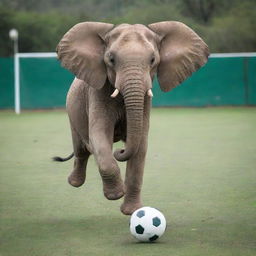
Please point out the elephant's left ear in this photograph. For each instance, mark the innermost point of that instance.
(182, 52)
(81, 51)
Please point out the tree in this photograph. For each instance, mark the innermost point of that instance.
(201, 10)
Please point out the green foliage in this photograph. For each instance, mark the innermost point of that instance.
(235, 30)
(226, 27)
(147, 13)
(6, 24)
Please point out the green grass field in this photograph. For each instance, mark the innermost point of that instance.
(200, 172)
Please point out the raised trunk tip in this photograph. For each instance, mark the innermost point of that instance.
(122, 155)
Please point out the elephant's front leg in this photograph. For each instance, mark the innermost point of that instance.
(101, 139)
(134, 179)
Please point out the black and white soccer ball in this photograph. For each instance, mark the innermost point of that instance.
(147, 224)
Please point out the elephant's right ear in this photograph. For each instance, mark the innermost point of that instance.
(81, 51)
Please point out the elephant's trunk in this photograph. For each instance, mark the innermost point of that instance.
(134, 94)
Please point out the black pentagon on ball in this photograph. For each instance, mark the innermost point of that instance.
(153, 238)
(140, 213)
(156, 221)
(139, 229)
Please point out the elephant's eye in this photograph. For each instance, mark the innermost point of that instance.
(112, 60)
(152, 61)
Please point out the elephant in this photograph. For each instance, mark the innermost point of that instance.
(110, 97)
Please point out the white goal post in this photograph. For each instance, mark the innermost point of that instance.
(17, 57)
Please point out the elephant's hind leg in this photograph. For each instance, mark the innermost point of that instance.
(78, 175)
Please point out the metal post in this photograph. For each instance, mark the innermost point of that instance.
(17, 77)
(14, 35)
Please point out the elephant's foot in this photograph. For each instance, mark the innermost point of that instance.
(113, 187)
(76, 178)
(128, 208)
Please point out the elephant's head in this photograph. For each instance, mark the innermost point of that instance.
(128, 56)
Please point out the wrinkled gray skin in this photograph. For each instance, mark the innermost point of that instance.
(125, 57)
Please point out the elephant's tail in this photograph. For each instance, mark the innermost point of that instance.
(62, 159)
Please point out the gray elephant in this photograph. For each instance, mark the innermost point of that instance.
(110, 98)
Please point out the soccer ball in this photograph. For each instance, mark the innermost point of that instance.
(147, 224)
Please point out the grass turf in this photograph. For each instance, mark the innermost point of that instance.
(200, 172)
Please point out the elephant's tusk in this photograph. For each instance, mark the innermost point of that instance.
(115, 93)
(150, 93)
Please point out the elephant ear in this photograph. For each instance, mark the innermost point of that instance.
(81, 51)
(182, 52)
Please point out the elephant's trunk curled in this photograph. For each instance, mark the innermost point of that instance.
(133, 94)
